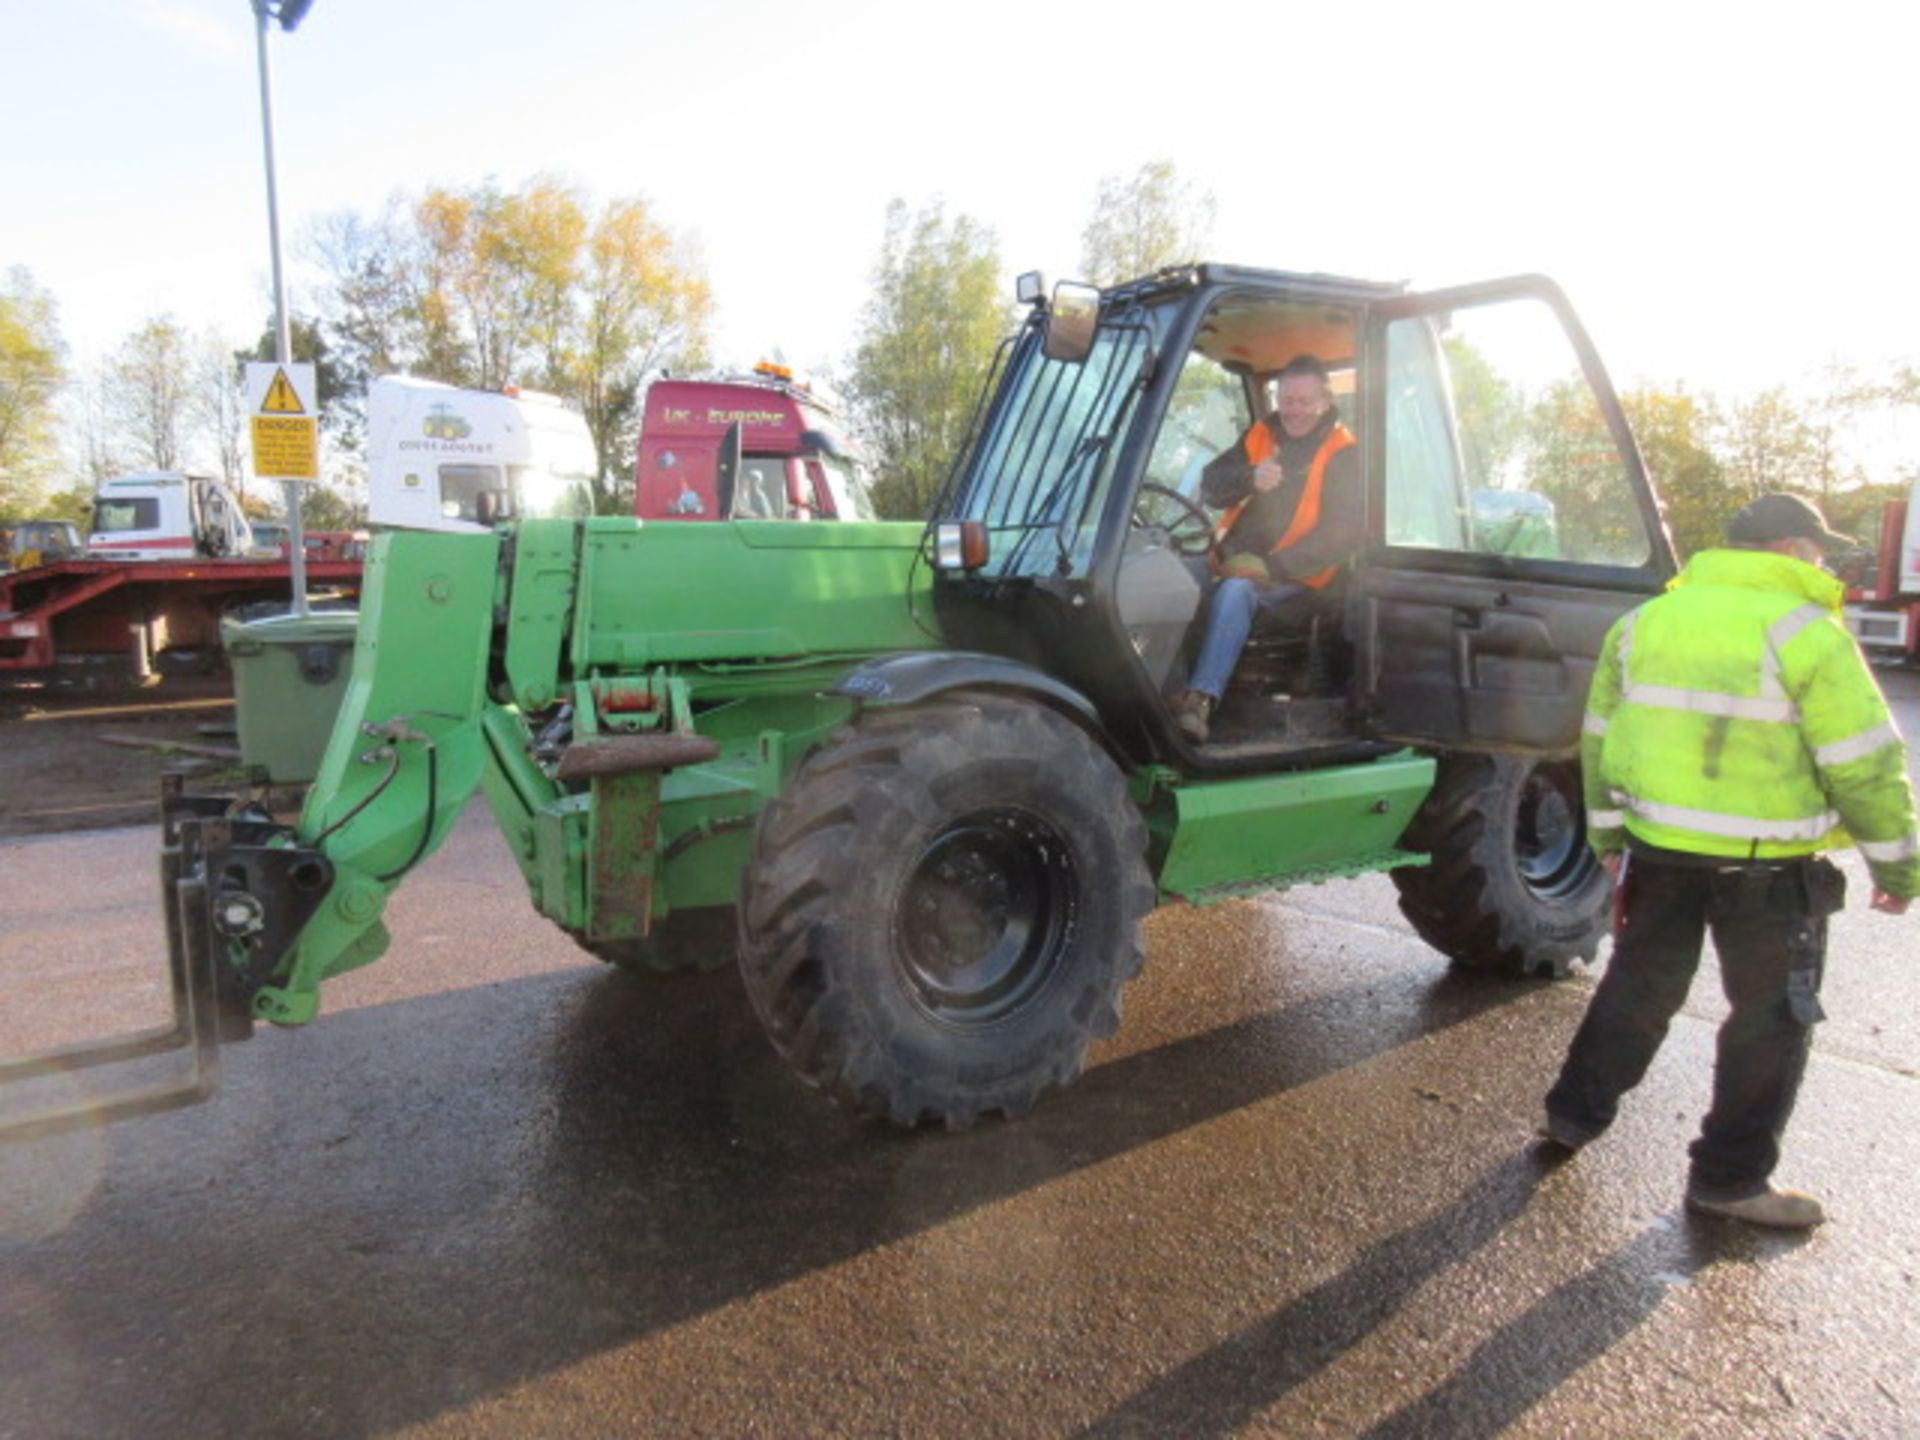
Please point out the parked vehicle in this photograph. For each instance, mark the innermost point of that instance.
(271, 539)
(759, 446)
(1884, 613)
(443, 458)
(40, 542)
(167, 515)
(924, 783)
(169, 555)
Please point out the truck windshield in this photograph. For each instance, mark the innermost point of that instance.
(848, 482)
(1042, 465)
(112, 517)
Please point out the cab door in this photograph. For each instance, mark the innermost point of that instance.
(1510, 519)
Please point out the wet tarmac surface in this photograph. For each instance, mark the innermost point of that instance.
(500, 1189)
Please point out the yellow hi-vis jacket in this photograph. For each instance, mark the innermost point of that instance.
(1734, 716)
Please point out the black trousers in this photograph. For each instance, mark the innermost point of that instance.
(1769, 926)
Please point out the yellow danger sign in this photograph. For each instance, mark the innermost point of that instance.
(280, 398)
(286, 429)
(285, 447)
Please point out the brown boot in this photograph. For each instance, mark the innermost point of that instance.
(1194, 710)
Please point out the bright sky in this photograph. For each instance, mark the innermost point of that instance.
(1726, 190)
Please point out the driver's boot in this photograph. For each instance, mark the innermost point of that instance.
(1193, 713)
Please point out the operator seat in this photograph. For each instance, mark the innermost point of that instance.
(1298, 648)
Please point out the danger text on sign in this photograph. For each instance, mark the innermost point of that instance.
(285, 448)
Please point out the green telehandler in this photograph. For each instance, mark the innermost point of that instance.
(924, 782)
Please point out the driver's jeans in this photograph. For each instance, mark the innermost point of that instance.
(1230, 616)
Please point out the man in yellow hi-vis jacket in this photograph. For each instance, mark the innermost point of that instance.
(1733, 731)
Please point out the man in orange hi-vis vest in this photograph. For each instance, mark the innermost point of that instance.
(1291, 492)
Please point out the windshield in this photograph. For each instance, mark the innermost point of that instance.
(848, 482)
(115, 517)
(1042, 465)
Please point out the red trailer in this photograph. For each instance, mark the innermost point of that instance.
(131, 619)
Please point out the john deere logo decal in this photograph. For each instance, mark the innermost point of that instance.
(443, 424)
(444, 432)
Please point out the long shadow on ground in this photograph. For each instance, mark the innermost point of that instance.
(415, 1206)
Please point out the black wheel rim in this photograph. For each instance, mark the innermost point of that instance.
(1550, 836)
(985, 916)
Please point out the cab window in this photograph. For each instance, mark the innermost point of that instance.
(118, 516)
(461, 488)
(760, 489)
(1229, 379)
(1207, 413)
(1496, 443)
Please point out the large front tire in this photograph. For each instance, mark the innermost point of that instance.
(941, 912)
(1513, 888)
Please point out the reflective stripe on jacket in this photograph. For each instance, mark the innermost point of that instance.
(1735, 716)
(1260, 446)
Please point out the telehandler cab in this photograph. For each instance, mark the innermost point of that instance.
(925, 780)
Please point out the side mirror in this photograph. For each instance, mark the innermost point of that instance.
(1072, 320)
(799, 497)
(726, 473)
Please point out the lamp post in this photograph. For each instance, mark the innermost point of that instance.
(289, 13)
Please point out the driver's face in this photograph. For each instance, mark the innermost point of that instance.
(1303, 400)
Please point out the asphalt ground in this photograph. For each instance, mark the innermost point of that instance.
(499, 1189)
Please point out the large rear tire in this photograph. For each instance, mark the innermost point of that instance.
(1513, 888)
(941, 912)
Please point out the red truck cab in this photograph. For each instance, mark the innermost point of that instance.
(757, 446)
(1883, 609)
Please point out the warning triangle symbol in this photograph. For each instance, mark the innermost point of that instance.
(281, 399)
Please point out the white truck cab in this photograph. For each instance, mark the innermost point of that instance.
(443, 458)
(166, 515)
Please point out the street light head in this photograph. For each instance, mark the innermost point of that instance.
(291, 12)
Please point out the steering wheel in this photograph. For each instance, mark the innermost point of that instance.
(1181, 539)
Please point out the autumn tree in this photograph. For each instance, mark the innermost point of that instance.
(150, 394)
(925, 341)
(368, 302)
(1489, 410)
(1568, 455)
(1675, 431)
(486, 287)
(1144, 222)
(32, 371)
(219, 406)
(327, 507)
(1833, 415)
(1766, 444)
(641, 303)
(494, 279)
(91, 426)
